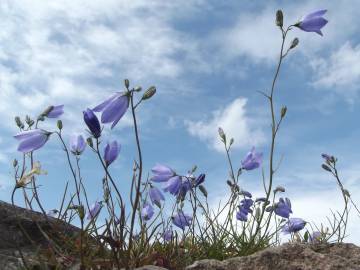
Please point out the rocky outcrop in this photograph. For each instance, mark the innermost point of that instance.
(291, 257)
(39, 229)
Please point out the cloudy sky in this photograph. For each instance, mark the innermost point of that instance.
(208, 61)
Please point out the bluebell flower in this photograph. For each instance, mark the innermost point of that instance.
(293, 225)
(283, 208)
(181, 220)
(313, 22)
(77, 144)
(94, 210)
(32, 140)
(167, 235)
(92, 122)
(244, 209)
(156, 196)
(111, 152)
(162, 173)
(199, 180)
(147, 211)
(252, 160)
(173, 185)
(113, 108)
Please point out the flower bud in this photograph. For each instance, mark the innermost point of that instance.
(149, 93)
(222, 134)
(18, 122)
(203, 190)
(15, 163)
(283, 111)
(294, 43)
(137, 89)
(59, 124)
(47, 111)
(326, 167)
(27, 119)
(127, 83)
(279, 189)
(279, 18)
(89, 141)
(229, 183)
(346, 192)
(231, 141)
(31, 123)
(81, 212)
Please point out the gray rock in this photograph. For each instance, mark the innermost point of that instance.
(291, 257)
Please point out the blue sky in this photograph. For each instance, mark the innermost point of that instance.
(207, 60)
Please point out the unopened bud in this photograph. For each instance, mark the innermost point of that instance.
(222, 134)
(203, 190)
(127, 83)
(294, 43)
(31, 123)
(89, 141)
(193, 169)
(230, 184)
(279, 18)
(137, 89)
(346, 192)
(81, 212)
(326, 167)
(59, 124)
(47, 111)
(15, 163)
(279, 189)
(231, 141)
(149, 93)
(283, 111)
(18, 122)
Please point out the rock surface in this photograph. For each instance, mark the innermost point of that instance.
(291, 257)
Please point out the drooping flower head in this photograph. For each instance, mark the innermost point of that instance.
(56, 111)
(181, 220)
(173, 185)
(293, 225)
(162, 173)
(244, 209)
(32, 140)
(313, 22)
(184, 188)
(245, 193)
(113, 108)
(147, 211)
(167, 235)
(252, 160)
(283, 208)
(77, 144)
(156, 196)
(94, 210)
(92, 122)
(111, 152)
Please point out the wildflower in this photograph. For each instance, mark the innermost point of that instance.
(156, 196)
(315, 237)
(328, 158)
(283, 208)
(199, 180)
(244, 209)
(313, 22)
(77, 144)
(167, 235)
(181, 220)
(32, 140)
(92, 122)
(245, 193)
(147, 211)
(26, 178)
(111, 152)
(113, 108)
(94, 210)
(173, 185)
(162, 173)
(252, 160)
(293, 225)
(184, 188)
(56, 111)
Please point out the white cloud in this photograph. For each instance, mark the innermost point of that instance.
(235, 123)
(340, 72)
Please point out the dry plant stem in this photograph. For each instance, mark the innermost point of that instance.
(137, 196)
